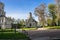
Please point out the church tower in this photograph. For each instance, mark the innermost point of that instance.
(2, 13)
(30, 15)
(2, 16)
(5, 22)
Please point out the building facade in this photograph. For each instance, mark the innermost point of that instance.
(30, 22)
(4, 21)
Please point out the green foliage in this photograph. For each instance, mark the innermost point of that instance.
(28, 28)
(52, 12)
(22, 22)
(49, 21)
(53, 27)
(51, 6)
(58, 22)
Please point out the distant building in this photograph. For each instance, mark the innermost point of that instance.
(4, 21)
(30, 22)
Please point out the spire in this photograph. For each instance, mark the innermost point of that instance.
(30, 15)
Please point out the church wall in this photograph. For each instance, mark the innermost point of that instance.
(33, 24)
(8, 24)
(4, 22)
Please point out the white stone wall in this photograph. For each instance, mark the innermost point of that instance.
(8, 23)
(33, 24)
(2, 22)
(5, 23)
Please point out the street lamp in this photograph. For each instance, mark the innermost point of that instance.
(15, 26)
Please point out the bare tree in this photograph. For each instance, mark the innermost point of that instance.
(40, 11)
(57, 1)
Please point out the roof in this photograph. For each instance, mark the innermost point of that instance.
(32, 20)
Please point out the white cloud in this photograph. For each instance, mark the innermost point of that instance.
(16, 16)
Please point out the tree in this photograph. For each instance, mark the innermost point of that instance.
(58, 11)
(11, 19)
(49, 21)
(18, 21)
(51, 8)
(40, 11)
(22, 22)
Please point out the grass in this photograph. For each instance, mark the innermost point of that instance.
(10, 34)
(7, 30)
(28, 28)
(53, 27)
(7, 35)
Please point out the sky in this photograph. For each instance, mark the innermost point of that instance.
(21, 8)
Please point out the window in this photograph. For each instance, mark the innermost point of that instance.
(1, 20)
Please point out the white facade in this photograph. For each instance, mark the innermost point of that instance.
(4, 21)
(30, 22)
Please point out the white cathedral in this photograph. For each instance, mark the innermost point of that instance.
(4, 21)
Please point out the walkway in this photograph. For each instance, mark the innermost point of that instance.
(43, 34)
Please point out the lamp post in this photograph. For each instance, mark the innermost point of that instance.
(15, 26)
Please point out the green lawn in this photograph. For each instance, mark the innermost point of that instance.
(7, 35)
(7, 30)
(53, 27)
(28, 28)
(10, 34)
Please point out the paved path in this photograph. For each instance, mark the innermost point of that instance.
(38, 34)
(44, 33)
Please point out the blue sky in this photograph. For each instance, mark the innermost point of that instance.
(21, 8)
